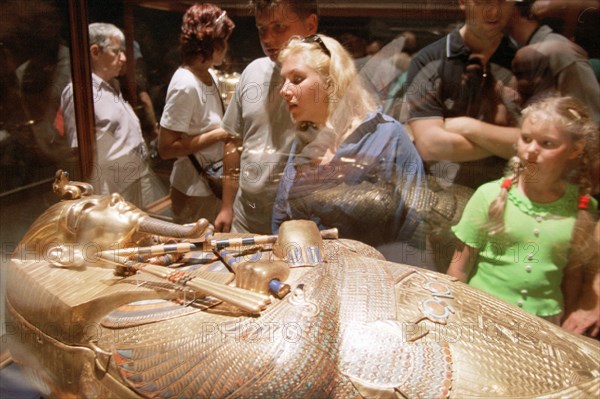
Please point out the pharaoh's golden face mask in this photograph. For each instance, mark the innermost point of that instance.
(106, 221)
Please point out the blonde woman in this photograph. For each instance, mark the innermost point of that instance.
(351, 166)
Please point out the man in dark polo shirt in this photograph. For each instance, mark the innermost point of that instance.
(459, 103)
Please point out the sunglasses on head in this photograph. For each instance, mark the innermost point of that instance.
(319, 41)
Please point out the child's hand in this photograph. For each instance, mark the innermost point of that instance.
(583, 322)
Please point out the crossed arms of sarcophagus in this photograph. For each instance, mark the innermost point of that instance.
(86, 227)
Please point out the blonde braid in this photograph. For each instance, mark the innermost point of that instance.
(583, 246)
(495, 224)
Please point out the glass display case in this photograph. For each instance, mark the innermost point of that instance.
(44, 45)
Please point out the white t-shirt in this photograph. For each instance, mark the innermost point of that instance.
(260, 117)
(193, 108)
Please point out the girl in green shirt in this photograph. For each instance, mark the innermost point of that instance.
(526, 238)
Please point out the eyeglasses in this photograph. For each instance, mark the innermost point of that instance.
(115, 50)
(319, 41)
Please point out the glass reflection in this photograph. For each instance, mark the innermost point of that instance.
(35, 67)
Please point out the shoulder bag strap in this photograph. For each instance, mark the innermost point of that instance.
(192, 157)
(196, 164)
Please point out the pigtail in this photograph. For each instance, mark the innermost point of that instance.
(584, 245)
(495, 224)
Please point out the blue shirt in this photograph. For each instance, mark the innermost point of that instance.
(365, 191)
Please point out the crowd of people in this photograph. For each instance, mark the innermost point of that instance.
(305, 137)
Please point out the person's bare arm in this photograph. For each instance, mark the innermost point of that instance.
(435, 143)
(571, 12)
(571, 286)
(463, 261)
(498, 140)
(585, 318)
(149, 113)
(582, 316)
(558, 8)
(231, 174)
(173, 144)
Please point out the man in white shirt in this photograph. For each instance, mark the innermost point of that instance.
(121, 162)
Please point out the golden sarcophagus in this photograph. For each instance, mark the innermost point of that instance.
(105, 302)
